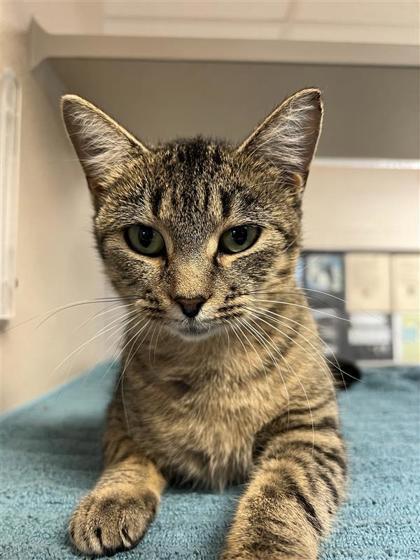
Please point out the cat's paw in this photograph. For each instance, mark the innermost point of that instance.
(104, 523)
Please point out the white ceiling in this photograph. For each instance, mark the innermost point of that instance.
(388, 22)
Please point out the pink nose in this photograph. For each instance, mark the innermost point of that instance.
(190, 306)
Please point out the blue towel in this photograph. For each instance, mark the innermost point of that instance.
(50, 456)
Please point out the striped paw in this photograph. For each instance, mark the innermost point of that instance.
(105, 522)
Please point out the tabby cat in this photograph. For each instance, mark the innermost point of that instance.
(201, 239)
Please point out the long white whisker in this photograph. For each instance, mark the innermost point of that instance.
(245, 324)
(77, 304)
(103, 331)
(296, 291)
(292, 371)
(126, 326)
(135, 322)
(303, 307)
(102, 313)
(156, 343)
(261, 340)
(322, 358)
(334, 364)
(233, 327)
(151, 342)
(128, 360)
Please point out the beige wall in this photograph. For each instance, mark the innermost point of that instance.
(55, 263)
(370, 112)
(348, 207)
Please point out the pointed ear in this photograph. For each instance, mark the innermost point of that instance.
(288, 137)
(100, 143)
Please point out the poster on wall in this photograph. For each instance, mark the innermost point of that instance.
(363, 304)
(332, 328)
(369, 336)
(368, 282)
(407, 337)
(323, 279)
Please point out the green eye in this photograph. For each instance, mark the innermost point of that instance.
(145, 240)
(238, 239)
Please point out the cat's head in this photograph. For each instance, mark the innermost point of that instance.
(193, 230)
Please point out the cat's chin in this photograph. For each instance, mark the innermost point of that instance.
(193, 331)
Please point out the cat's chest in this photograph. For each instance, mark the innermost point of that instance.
(208, 435)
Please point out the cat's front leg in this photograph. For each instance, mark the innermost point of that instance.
(293, 495)
(115, 515)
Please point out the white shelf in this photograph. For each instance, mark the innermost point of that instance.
(46, 45)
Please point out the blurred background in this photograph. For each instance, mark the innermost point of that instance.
(167, 69)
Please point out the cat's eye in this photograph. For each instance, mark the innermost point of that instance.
(145, 240)
(238, 239)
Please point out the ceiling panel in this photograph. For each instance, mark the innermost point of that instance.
(363, 12)
(356, 21)
(235, 10)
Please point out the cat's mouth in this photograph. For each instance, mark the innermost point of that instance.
(193, 328)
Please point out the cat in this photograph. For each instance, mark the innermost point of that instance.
(200, 239)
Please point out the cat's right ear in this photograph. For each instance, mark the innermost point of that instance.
(101, 144)
(288, 137)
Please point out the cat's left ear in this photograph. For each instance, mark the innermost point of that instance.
(100, 142)
(288, 137)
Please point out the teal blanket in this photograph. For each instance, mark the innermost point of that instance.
(50, 456)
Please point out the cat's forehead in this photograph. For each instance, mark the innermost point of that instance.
(192, 153)
(194, 184)
(193, 165)
(191, 188)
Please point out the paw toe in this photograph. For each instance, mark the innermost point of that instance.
(106, 525)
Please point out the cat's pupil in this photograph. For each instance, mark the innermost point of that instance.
(240, 235)
(146, 236)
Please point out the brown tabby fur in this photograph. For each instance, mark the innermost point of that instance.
(241, 392)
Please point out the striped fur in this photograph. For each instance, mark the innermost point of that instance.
(242, 392)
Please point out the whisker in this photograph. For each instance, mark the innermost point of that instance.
(297, 290)
(233, 327)
(156, 343)
(303, 307)
(334, 364)
(322, 358)
(81, 303)
(46, 316)
(127, 329)
(151, 342)
(244, 324)
(98, 314)
(128, 361)
(261, 340)
(102, 331)
(267, 340)
(228, 339)
(292, 372)
(128, 319)
(259, 336)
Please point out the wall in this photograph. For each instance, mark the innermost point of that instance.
(348, 207)
(369, 111)
(56, 263)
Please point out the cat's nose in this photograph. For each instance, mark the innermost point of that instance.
(190, 306)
